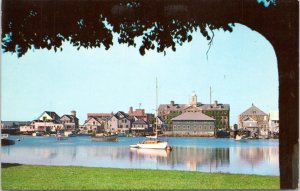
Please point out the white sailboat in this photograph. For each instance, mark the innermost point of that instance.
(152, 142)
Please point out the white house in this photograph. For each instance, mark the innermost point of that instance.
(274, 122)
(47, 121)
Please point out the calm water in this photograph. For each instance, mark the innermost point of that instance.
(189, 154)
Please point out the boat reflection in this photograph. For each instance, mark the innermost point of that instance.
(151, 152)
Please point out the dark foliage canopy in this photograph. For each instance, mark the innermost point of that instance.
(161, 24)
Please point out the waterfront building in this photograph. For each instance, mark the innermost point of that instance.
(137, 113)
(47, 121)
(254, 120)
(92, 124)
(193, 123)
(100, 121)
(139, 126)
(100, 116)
(119, 122)
(27, 129)
(70, 122)
(168, 111)
(13, 124)
(218, 111)
(14, 127)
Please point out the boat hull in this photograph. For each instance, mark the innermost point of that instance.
(160, 145)
(60, 138)
(5, 142)
(112, 138)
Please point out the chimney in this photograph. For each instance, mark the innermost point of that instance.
(216, 102)
(172, 103)
(73, 113)
(130, 110)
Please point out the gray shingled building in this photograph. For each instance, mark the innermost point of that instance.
(220, 112)
(193, 123)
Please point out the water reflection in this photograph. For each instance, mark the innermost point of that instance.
(193, 157)
(257, 156)
(233, 159)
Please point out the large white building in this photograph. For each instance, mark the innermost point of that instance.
(274, 122)
(254, 120)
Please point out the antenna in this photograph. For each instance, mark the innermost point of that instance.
(140, 105)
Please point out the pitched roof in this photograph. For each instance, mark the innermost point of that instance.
(214, 106)
(140, 121)
(91, 118)
(253, 110)
(52, 114)
(249, 119)
(171, 107)
(99, 115)
(121, 115)
(72, 117)
(180, 107)
(196, 116)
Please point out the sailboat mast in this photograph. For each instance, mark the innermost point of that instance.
(209, 94)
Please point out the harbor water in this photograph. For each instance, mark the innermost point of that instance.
(259, 157)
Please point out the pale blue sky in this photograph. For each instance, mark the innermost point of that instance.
(241, 69)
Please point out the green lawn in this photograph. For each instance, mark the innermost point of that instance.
(33, 177)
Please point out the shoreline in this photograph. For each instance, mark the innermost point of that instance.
(6, 165)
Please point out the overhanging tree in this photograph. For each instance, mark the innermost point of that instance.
(163, 24)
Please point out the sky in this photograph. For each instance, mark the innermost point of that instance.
(240, 68)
